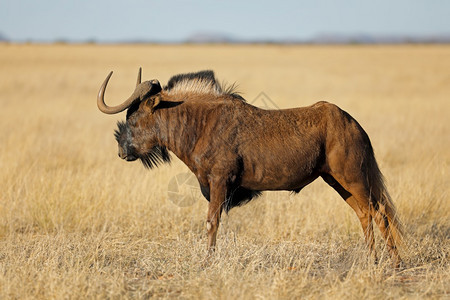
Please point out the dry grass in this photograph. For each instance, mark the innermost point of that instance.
(77, 222)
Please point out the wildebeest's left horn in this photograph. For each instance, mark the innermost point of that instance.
(138, 82)
(113, 109)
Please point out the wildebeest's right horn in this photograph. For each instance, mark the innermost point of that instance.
(113, 109)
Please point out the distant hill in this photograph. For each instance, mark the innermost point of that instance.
(209, 37)
(323, 38)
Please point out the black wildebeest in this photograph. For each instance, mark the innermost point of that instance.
(237, 150)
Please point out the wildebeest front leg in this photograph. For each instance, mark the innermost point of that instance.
(217, 199)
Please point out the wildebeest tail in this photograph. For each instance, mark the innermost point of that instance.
(382, 202)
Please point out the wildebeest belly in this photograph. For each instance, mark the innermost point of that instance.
(285, 169)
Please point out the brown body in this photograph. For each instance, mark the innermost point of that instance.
(237, 150)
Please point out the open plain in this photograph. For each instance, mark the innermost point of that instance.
(78, 222)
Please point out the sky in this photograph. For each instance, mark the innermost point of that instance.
(177, 20)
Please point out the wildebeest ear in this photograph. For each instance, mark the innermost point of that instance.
(153, 102)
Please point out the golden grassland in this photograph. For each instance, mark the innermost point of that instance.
(78, 222)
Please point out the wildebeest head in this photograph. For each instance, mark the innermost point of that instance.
(136, 137)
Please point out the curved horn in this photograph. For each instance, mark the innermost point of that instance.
(112, 109)
(139, 77)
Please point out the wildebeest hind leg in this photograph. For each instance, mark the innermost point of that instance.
(361, 206)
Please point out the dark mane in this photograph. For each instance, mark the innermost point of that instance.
(205, 76)
(202, 82)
